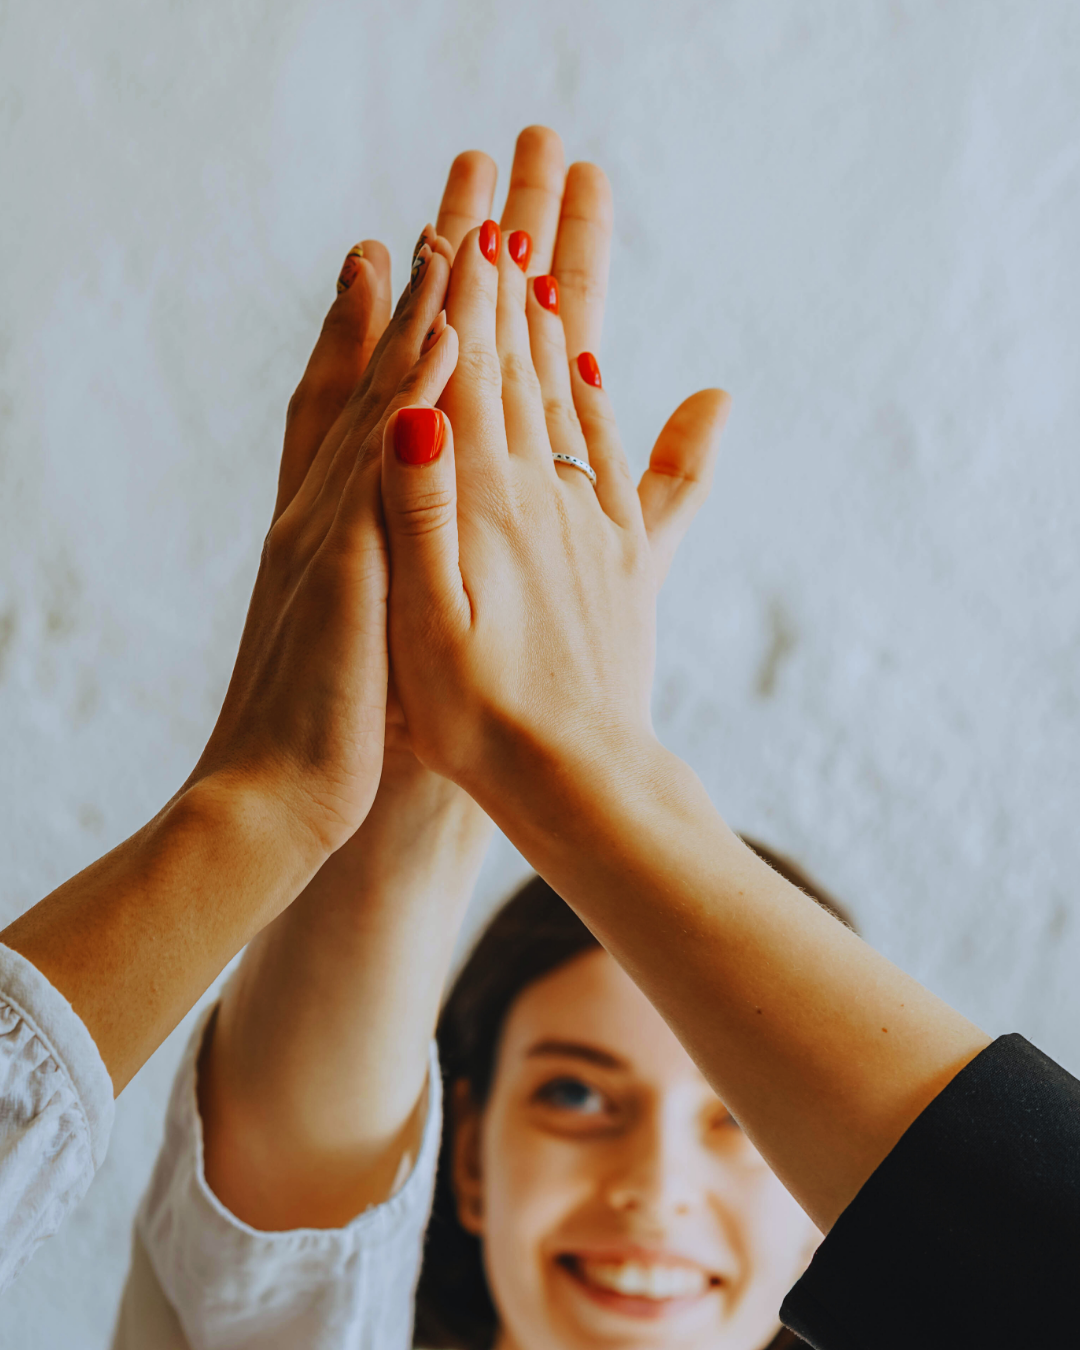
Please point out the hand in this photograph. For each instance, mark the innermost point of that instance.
(567, 218)
(522, 605)
(363, 952)
(293, 762)
(303, 719)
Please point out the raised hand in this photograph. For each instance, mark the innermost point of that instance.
(293, 763)
(521, 617)
(304, 714)
(522, 600)
(366, 947)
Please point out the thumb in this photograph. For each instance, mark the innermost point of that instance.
(419, 494)
(675, 485)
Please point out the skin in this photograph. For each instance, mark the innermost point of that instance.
(522, 632)
(294, 760)
(602, 1139)
(304, 1128)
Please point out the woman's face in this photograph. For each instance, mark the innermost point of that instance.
(618, 1202)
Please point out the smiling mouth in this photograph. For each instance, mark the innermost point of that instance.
(637, 1286)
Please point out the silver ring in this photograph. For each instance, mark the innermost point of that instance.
(575, 463)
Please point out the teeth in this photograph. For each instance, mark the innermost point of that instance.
(637, 1279)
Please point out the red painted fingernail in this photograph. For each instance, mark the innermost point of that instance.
(546, 290)
(349, 268)
(589, 370)
(519, 246)
(490, 238)
(418, 435)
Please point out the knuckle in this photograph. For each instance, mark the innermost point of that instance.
(479, 365)
(299, 404)
(678, 471)
(518, 369)
(599, 421)
(583, 285)
(280, 545)
(560, 412)
(424, 512)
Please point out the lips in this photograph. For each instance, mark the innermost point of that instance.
(640, 1285)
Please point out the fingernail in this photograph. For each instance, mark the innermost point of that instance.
(419, 266)
(349, 268)
(434, 332)
(546, 290)
(427, 234)
(519, 246)
(490, 239)
(418, 435)
(589, 370)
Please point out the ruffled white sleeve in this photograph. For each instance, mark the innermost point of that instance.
(56, 1110)
(231, 1285)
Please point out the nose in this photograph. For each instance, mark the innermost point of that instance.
(654, 1171)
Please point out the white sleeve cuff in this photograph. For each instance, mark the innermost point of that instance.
(56, 1110)
(325, 1289)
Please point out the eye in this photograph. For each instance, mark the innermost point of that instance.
(571, 1094)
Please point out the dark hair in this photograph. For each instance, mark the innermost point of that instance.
(533, 934)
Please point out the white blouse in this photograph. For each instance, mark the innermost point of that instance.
(201, 1279)
(56, 1110)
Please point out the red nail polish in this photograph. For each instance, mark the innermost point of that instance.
(589, 370)
(349, 268)
(546, 290)
(490, 238)
(418, 435)
(519, 246)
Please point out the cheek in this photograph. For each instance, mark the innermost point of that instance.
(532, 1185)
(779, 1239)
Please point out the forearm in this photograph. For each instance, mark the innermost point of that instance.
(312, 1086)
(135, 938)
(822, 1049)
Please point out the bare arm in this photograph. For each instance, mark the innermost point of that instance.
(822, 1049)
(527, 603)
(312, 1084)
(312, 1078)
(293, 764)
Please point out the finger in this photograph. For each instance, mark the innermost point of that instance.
(535, 193)
(420, 388)
(394, 358)
(614, 486)
(419, 496)
(422, 251)
(473, 398)
(522, 399)
(466, 200)
(677, 481)
(583, 255)
(548, 346)
(350, 332)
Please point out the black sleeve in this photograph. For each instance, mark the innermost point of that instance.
(968, 1234)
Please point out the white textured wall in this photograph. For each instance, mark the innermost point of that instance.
(860, 216)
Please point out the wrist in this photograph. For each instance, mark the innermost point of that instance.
(591, 820)
(423, 834)
(533, 787)
(241, 817)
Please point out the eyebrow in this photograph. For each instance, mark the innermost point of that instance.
(592, 1054)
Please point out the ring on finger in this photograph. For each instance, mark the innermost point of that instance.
(575, 463)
